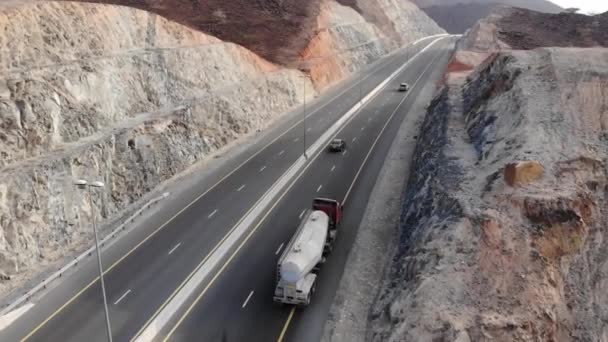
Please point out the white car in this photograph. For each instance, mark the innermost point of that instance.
(404, 87)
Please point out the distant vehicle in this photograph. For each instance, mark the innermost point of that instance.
(337, 145)
(301, 260)
(404, 87)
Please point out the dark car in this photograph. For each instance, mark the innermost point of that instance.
(337, 145)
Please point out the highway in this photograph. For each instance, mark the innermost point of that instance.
(148, 265)
(237, 305)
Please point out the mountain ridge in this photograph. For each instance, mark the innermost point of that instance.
(456, 16)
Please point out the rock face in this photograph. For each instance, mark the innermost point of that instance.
(456, 16)
(535, 5)
(133, 99)
(478, 259)
(357, 34)
(253, 24)
(523, 172)
(527, 30)
(117, 94)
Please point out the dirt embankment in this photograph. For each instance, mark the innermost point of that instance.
(503, 230)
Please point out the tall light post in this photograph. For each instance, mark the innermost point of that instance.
(360, 86)
(82, 184)
(304, 120)
(304, 78)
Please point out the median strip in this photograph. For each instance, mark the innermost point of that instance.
(163, 316)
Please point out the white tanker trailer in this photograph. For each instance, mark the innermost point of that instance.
(301, 260)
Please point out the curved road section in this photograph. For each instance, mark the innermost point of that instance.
(150, 264)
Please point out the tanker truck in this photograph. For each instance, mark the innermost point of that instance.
(301, 260)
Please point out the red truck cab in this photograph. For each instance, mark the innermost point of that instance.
(333, 209)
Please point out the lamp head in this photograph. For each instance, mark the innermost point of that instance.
(80, 183)
(97, 184)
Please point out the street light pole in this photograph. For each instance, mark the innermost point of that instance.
(304, 119)
(81, 184)
(360, 85)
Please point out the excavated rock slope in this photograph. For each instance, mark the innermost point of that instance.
(527, 30)
(131, 98)
(119, 94)
(279, 30)
(457, 16)
(345, 39)
(503, 232)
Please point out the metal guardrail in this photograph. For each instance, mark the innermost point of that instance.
(43, 285)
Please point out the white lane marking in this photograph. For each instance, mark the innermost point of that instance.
(332, 168)
(149, 330)
(279, 249)
(354, 139)
(241, 187)
(213, 213)
(281, 153)
(263, 167)
(247, 300)
(122, 297)
(320, 187)
(363, 128)
(296, 139)
(308, 129)
(344, 153)
(350, 188)
(302, 213)
(174, 248)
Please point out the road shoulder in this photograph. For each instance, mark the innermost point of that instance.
(377, 234)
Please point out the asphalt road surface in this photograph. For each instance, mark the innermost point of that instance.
(144, 268)
(238, 305)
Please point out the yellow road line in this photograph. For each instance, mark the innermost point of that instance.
(255, 228)
(221, 270)
(73, 298)
(385, 125)
(217, 246)
(286, 326)
(68, 302)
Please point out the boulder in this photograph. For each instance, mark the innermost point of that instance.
(523, 172)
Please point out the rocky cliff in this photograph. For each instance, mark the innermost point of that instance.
(502, 234)
(457, 16)
(279, 30)
(357, 34)
(133, 98)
